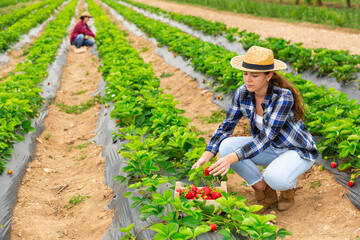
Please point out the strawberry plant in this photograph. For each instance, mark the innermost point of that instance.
(20, 100)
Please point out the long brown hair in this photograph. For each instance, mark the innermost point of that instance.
(281, 81)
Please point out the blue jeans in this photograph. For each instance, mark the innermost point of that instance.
(81, 41)
(283, 166)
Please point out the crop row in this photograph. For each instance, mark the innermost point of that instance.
(329, 113)
(11, 18)
(13, 33)
(5, 3)
(349, 18)
(168, 151)
(336, 63)
(20, 100)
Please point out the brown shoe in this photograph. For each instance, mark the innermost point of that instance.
(286, 199)
(266, 197)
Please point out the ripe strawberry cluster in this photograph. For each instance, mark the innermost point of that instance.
(205, 193)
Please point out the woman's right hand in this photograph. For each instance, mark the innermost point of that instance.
(203, 159)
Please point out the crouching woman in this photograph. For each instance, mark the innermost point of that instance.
(280, 140)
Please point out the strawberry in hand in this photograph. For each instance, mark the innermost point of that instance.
(207, 171)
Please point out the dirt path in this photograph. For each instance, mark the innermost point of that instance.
(320, 213)
(311, 35)
(67, 166)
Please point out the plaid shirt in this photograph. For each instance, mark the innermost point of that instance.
(279, 127)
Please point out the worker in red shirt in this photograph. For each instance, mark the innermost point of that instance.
(81, 31)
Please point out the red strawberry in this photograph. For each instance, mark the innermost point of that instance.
(219, 97)
(213, 227)
(207, 191)
(99, 60)
(179, 191)
(198, 191)
(194, 188)
(207, 171)
(351, 183)
(48, 83)
(190, 195)
(215, 195)
(204, 81)
(333, 164)
(118, 122)
(174, 55)
(197, 196)
(208, 198)
(10, 172)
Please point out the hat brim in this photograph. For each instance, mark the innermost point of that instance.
(236, 62)
(87, 16)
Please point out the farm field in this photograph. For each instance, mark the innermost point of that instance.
(129, 110)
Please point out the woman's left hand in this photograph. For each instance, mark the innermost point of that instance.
(222, 165)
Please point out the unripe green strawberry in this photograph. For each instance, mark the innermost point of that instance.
(321, 167)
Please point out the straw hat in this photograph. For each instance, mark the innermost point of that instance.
(86, 14)
(257, 59)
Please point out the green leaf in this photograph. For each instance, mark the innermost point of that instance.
(225, 233)
(201, 229)
(159, 227)
(160, 236)
(127, 194)
(127, 229)
(190, 221)
(283, 232)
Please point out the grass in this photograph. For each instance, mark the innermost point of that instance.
(78, 93)
(76, 200)
(78, 109)
(198, 131)
(84, 145)
(315, 183)
(144, 49)
(215, 117)
(165, 75)
(48, 136)
(80, 158)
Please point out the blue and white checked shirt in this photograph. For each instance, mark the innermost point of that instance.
(279, 127)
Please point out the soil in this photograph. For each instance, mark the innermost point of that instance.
(320, 211)
(311, 35)
(67, 164)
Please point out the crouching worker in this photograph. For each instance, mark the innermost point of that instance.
(79, 34)
(280, 140)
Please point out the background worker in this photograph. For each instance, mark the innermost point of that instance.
(81, 31)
